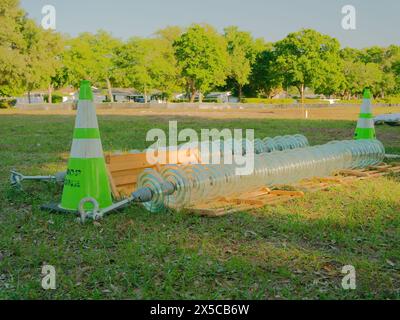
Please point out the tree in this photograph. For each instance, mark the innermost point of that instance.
(308, 59)
(202, 57)
(166, 70)
(90, 56)
(330, 79)
(29, 55)
(392, 66)
(372, 67)
(242, 54)
(148, 64)
(12, 43)
(373, 54)
(387, 85)
(360, 75)
(396, 71)
(169, 34)
(265, 79)
(42, 57)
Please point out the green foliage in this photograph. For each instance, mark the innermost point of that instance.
(360, 75)
(373, 67)
(197, 60)
(7, 103)
(391, 100)
(29, 55)
(179, 100)
(268, 101)
(43, 50)
(386, 100)
(89, 56)
(283, 101)
(12, 45)
(314, 101)
(309, 59)
(55, 98)
(351, 101)
(242, 52)
(149, 64)
(265, 79)
(202, 57)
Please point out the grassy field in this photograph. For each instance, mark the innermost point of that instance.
(292, 251)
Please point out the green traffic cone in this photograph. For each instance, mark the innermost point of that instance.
(365, 125)
(86, 174)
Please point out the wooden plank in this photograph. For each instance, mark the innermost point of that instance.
(126, 180)
(287, 193)
(123, 178)
(136, 172)
(380, 168)
(250, 201)
(257, 193)
(332, 180)
(354, 173)
(280, 199)
(114, 189)
(125, 168)
(127, 189)
(122, 166)
(260, 198)
(107, 158)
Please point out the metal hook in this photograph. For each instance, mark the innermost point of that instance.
(94, 214)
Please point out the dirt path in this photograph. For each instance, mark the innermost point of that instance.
(328, 113)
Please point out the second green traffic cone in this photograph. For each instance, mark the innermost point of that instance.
(365, 125)
(86, 174)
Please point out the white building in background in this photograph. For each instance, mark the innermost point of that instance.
(35, 97)
(119, 95)
(70, 95)
(222, 97)
(40, 96)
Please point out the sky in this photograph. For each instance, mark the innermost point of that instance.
(377, 21)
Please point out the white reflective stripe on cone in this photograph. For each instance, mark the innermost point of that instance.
(86, 115)
(86, 148)
(366, 106)
(365, 123)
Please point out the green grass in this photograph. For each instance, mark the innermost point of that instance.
(292, 251)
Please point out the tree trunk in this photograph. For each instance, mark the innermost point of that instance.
(303, 110)
(50, 99)
(240, 92)
(29, 97)
(302, 93)
(200, 97)
(145, 94)
(110, 94)
(192, 92)
(192, 95)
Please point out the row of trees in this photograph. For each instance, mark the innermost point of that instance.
(29, 55)
(196, 60)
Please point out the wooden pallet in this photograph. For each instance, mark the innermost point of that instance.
(265, 196)
(124, 169)
(247, 201)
